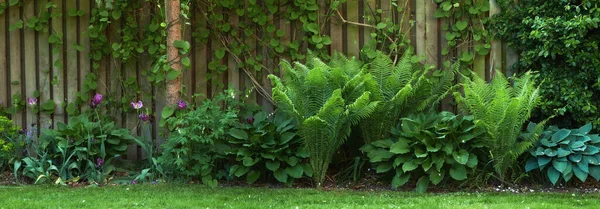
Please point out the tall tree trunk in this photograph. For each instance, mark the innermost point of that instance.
(173, 10)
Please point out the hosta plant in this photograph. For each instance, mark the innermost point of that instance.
(268, 147)
(564, 153)
(402, 89)
(502, 108)
(429, 147)
(325, 101)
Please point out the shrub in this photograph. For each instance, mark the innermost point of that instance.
(325, 101)
(197, 137)
(562, 153)
(8, 133)
(403, 89)
(561, 40)
(267, 146)
(428, 146)
(501, 110)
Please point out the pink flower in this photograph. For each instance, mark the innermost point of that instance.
(97, 100)
(32, 101)
(137, 105)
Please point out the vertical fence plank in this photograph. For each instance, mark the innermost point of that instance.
(233, 70)
(14, 58)
(84, 41)
(30, 68)
(4, 81)
(115, 77)
(186, 79)
(420, 38)
(58, 63)
(336, 32)
(432, 32)
(352, 30)
(72, 75)
(201, 60)
(369, 17)
(496, 52)
(511, 58)
(144, 64)
(44, 67)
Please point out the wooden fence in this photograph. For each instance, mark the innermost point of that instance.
(27, 59)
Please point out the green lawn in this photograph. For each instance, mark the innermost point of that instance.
(194, 196)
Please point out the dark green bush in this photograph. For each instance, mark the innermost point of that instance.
(560, 40)
(269, 147)
(428, 146)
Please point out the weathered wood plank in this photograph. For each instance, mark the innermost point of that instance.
(84, 41)
(14, 59)
(233, 72)
(115, 75)
(4, 80)
(201, 61)
(58, 64)
(496, 52)
(432, 56)
(44, 68)
(72, 76)
(352, 30)
(420, 21)
(30, 68)
(336, 31)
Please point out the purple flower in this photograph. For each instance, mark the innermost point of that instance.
(97, 100)
(155, 181)
(250, 119)
(137, 105)
(32, 101)
(144, 117)
(99, 162)
(133, 181)
(181, 104)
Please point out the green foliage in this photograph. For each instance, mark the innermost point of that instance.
(560, 39)
(502, 108)
(465, 26)
(267, 146)
(8, 132)
(403, 89)
(83, 148)
(429, 146)
(325, 101)
(562, 153)
(197, 137)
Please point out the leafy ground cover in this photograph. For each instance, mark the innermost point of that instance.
(194, 196)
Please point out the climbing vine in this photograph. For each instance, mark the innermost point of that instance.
(465, 28)
(248, 32)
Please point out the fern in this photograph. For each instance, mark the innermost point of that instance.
(403, 89)
(325, 100)
(502, 110)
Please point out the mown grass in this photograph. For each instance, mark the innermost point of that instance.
(194, 196)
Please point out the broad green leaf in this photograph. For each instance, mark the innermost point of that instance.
(436, 177)
(272, 165)
(422, 184)
(595, 172)
(400, 147)
(252, 176)
(585, 129)
(249, 161)
(531, 164)
(281, 175)
(461, 156)
(238, 134)
(409, 166)
(560, 135)
(294, 171)
(167, 111)
(241, 170)
(400, 179)
(559, 165)
(543, 160)
(553, 175)
(383, 167)
(458, 172)
(461, 25)
(472, 162)
(563, 152)
(580, 174)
